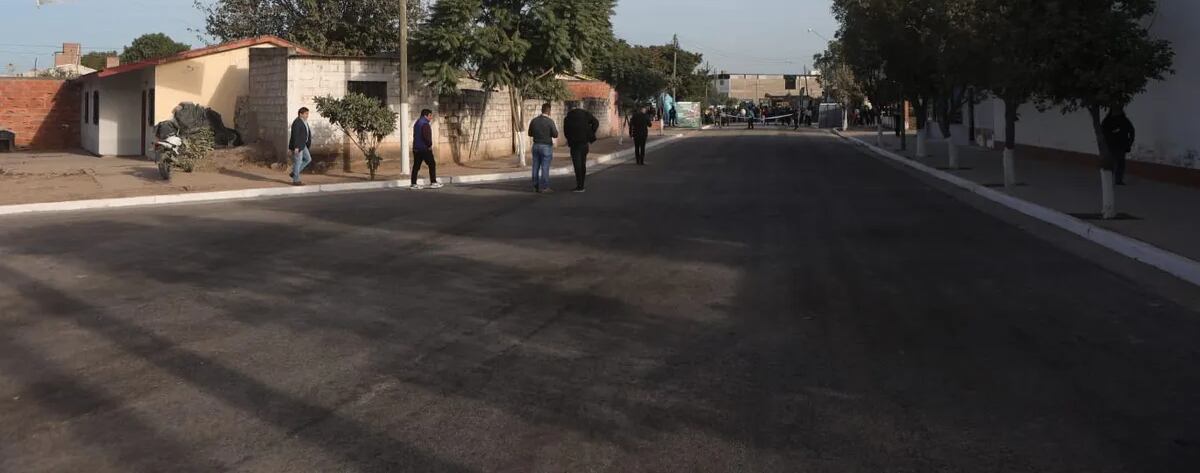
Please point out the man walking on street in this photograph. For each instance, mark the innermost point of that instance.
(639, 130)
(1119, 134)
(580, 128)
(543, 132)
(423, 150)
(298, 145)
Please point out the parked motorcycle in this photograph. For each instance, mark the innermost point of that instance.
(166, 155)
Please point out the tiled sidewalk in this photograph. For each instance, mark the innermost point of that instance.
(1164, 214)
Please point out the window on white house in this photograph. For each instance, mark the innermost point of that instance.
(86, 107)
(95, 107)
(374, 89)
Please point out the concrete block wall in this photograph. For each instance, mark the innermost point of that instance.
(472, 125)
(45, 114)
(267, 118)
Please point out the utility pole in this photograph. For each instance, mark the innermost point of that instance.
(674, 69)
(405, 138)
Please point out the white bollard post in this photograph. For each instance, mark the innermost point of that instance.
(921, 152)
(879, 133)
(1010, 171)
(1107, 195)
(953, 150)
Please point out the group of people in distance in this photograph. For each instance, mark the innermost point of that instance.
(579, 127)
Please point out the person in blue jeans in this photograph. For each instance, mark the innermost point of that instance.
(543, 132)
(298, 145)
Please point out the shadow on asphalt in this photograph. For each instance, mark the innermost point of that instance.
(808, 316)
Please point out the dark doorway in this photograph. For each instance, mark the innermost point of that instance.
(141, 123)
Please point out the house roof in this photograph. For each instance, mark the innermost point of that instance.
(199, 52)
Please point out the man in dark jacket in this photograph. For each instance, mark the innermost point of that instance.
(298, 145)
(423, 150)
(639, 130)
(580, 129)
(543, 132)
(1119, 134)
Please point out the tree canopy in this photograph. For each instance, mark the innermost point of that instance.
(151, 46)
(634, 71)
(512, 44)
(353, 27)
(96, 59)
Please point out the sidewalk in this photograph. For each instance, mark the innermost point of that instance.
(27, 178)
(1163, 214)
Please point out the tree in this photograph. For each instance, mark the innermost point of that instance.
(151, 46)
(838, 79)
(632, 72)
(363, 119)
(96, 59)
(1021, 45)
(352, 27)
(509, 44)
(1104, 57)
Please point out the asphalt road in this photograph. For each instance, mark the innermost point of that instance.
(745, 303)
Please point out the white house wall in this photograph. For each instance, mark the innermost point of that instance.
(1166, 131)
(121, 125)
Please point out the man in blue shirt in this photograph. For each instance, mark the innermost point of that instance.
(423, 150)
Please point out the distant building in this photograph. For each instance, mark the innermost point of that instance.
(758, 86)
(70, 55)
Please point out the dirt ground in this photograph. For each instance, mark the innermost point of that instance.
(34, 177)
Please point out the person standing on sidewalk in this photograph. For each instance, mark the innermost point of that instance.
(423, 150)
(1119, 134)
(580, 129)
(543, 132)
(639, 130)
(299, 144)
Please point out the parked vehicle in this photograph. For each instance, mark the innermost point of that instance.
(166, 154)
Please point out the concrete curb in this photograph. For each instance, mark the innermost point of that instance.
(243, 194)
(1179, 266)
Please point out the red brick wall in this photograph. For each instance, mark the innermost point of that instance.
(589, 89)
(44, 113)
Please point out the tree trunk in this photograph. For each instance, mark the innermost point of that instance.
(953, 152)
(922, 123)
(1108, 191)
(518, 124)
(971, 115)
(1010, 140)
(846, 116)
(878, 130)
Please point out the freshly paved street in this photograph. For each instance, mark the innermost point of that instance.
(746, 303)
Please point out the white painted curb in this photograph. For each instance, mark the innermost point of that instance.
(121, 202)
(1174, 264)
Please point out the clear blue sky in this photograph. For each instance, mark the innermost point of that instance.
(765, 36)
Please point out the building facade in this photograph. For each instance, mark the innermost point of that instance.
(756, 87)
(475, 124)
(1166, 133)
(121, 105)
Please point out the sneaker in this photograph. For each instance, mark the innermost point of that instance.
(416, 187)
(547, 191)
(297, 183)
(579, 190)
(436, 185)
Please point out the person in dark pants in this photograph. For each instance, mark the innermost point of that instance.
(298, 145)
(580, 129)
(1119, 134)
(543, 132)
(674, 117)
(423, 150)
(639, 130)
